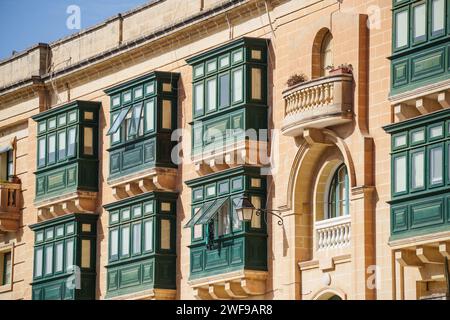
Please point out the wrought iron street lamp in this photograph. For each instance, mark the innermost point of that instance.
(245, 210)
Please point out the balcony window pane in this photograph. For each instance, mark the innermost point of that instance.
(165, 234)
(71, 142)
(62, 145)
(400, 174)
(167, 114)
(41, 147)
(38, 263)
(135, 120)
(114, 243)
(211, 95)
(256, 219)
(125, 245)
(198, 98)
(237, 85)
(137, 238)
(418, 159)
(69, 254)
(438, 12)
(86, 253)
(49, 260)
(436, 164)
(224, 89)
(224, 220)
(420, 20)
(150, 115)
(401, 31)
(148, 235)
(256, 84)
(51, 149)
(59, 257)
(88, 141)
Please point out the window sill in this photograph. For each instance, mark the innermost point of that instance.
(6, 288)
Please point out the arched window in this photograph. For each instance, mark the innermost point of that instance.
(338, 195)
(326, 54)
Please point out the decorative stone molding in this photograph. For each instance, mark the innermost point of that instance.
(318, 103)
(76, 202)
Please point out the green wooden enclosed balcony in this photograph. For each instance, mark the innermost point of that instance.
(65, 258)
(228, 257)
(229, 104)
(67, 159)
(142, 247)
(420, 179)
(143, 117)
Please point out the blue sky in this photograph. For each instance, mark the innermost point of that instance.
(24, 23)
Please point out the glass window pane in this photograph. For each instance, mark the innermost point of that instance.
(88, 146)
(7, 266)
(418, 159)
(125, 246)
(49, 260)
(150, 115)
(135, 120)
(69, 254)
(61, 145)
(165, 234)
(52, 149)
(211, 94)
(38, 263)
(114, 243)
(86, 253)
(198, 98)
(224, 220)
(400, 174)
(436, 164)
(41, 146)
(72, 138)
(256, 84)
(438, 19)
(167, 114)
(148, 235)
(420, 21)
(59, 257)
(224, 90)
(237, 85)
(137, 238)
(401, 31)
(256, 219)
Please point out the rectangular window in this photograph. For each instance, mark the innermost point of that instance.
(10, 167)
(198, 98)
(401, 29)
(61, 145)
(256, 219)
(72, 140)
(400, 174)
(136, 238)
(211, 95)
(69, 254)
(256, 84)
(436, 165)
(224, 220)
(438, 16)
(51, 148)
(86, 253)
(148, 235)
(125, 241)
(420, 22)
(167, 114)
(135, 120)
(59, 257)
(114, 243)
(418, 167)
(237, 91)
(115, 137)
(49, 260)
(38, 262)
(165, 234)
(42, 152)
(224, 90)
(150, 115)
(88, 146)
(6, 268)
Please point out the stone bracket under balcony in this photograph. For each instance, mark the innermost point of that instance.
(247, 152)
(146, 181)
(76, 202)
(240, 284)
(319, 103)
(10, 204)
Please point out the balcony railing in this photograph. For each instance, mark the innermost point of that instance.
(10, 195)
(333, 233)
(318, 103)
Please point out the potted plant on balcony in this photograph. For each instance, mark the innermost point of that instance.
(345, 68)
(296, 79)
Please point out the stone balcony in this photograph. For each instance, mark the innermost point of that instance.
(10, 195)
(319, 103)
(333, 233)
